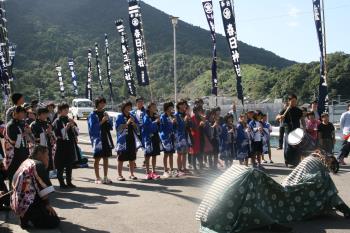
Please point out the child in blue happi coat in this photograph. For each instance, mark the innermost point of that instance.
(127, 140)
(151, 140)
(227, 141)
(266, 138)
(167, 137)
(182, 139)
(100, 126)
(243, 143)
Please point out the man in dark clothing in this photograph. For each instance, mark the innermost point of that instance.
(291, 118)
(31, 185)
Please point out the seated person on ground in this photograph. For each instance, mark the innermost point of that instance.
(31, 185)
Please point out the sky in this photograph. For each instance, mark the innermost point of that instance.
(285, 27)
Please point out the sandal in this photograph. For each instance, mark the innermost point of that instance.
(98, 181)
(133, 177)
(120, 178)
(106, 181)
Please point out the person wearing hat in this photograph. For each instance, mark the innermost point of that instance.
(17, 100)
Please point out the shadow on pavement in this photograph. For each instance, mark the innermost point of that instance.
(5, 229)
(70, 227)
(86, 198)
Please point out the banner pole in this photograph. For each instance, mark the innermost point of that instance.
(324, 43)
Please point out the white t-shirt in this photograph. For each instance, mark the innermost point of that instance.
(345, 123)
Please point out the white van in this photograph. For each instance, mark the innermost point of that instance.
(81, 108)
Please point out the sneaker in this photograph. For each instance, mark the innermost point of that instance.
(264, 161)
(166, 175)
(155, 176)
(98, 181)
(279, 148)
(271, 161)
(149, 176)
(132, 177)
(106, 181)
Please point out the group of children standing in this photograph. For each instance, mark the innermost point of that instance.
(199, 137)
(27, 126)
(321, 131)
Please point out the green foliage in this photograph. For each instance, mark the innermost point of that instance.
(47, 32)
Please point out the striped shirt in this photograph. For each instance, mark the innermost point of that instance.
(309, 165)
(218, 188)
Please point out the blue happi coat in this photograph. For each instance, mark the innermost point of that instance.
(227, 143)
(138, 121)
(182, 140)
(243, 142)
(266, 137)
(122, 132)
(95, 132)
(166, 132)
(149, 129)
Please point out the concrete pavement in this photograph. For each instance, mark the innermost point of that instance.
(164, 206)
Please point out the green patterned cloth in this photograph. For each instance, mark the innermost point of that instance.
(245, 198)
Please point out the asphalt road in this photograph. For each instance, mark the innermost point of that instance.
(163, 206)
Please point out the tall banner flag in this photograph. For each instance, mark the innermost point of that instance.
(74, 76)
(323, 86)
(228, 18)
(139, 43)
(88, 89)
(5, 69)
(4, 78)
(108, 68)
(60, 80)
(209, 13)
(128, 75)
(98, 66)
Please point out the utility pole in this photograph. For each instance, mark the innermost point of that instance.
(174, 21)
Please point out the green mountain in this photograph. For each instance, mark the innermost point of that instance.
(47, 32)
(261, 82)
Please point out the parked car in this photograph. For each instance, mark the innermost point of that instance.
(81, 108)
